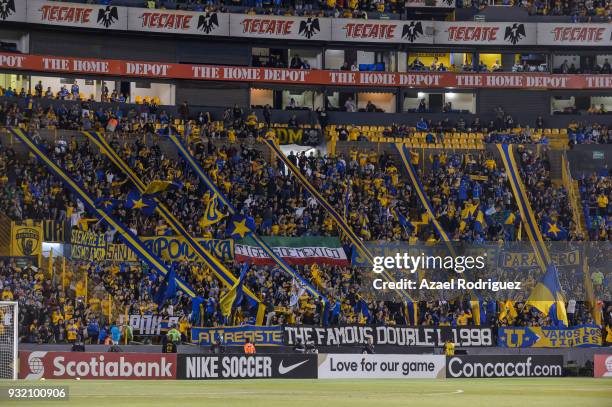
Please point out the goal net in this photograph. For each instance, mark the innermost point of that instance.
(8, 340)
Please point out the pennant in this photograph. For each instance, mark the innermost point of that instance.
(157, 186)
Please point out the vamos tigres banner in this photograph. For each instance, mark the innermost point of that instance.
(294, 250)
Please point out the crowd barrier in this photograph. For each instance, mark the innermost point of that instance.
(38, 365)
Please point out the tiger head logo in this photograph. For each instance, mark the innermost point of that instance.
(28, 240)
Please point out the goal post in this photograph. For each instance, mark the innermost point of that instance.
(9, 319)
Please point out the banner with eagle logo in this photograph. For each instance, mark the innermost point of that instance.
(12, 10)
(396, 31)
(178, 21)
(280, 27)
(79, 15)
(477, 33)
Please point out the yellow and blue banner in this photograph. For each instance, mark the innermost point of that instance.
(547, 297)
(233, 298)
(126, 235)
(339, 219)
(420, 190)
(527, 216)
(580, 336)
(199, 171)
(218, 269)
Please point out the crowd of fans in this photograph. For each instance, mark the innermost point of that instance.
(579, 10)
(595, 192)
(469, 193)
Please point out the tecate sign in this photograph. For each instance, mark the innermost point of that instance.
(95, 365)
(208, 367)
(77, 15)
(473, 33)
(346, 366)
(504, 366)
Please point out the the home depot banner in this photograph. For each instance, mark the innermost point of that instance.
(280, 27)
(426, 80)
(359, 30)
(476, 33)
(76, 15)
(580, 35)
(26, 240)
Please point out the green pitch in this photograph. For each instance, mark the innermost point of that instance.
(558, 392)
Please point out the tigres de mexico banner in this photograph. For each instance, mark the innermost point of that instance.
(294, 250)
(581, 336)
(26, 240)
(237, 335)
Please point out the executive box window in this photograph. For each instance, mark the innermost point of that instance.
(439, 102)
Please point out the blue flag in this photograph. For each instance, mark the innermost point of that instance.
(553, 230)
(241, 226)
(167, 289)
(136, 201)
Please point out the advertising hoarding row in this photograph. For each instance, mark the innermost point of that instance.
(156, 366)
(109, 17)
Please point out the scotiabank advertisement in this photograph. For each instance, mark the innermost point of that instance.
(603, 366)
(96, 365)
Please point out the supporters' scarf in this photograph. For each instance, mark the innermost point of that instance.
(217, 267)
(520, 195)
(338, 218)
(131, 240)
(418, 187)
(199, 171)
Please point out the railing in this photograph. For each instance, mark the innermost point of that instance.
(573, 195)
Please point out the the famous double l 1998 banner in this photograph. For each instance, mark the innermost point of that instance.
(485, 366)
(277, 366)
(355, 366)
(353, 335)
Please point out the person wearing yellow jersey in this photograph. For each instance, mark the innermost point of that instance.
(68, 310)
(414, 158)
(7, 295)
(72, 330)
(353, 134)
(231, 135)
(353, 155)
(449, 348)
